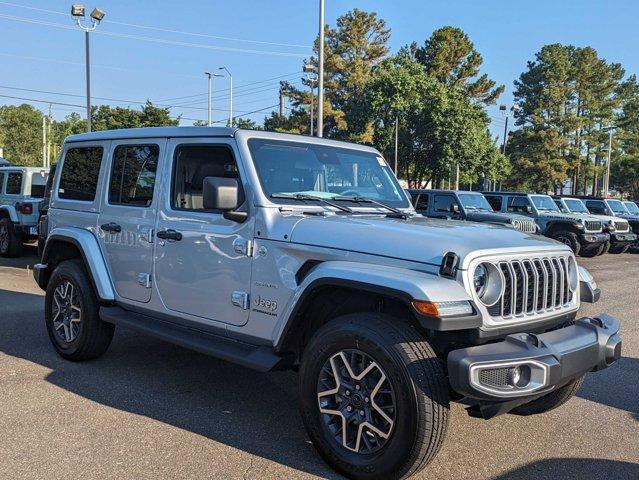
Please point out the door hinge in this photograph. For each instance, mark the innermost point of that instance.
(144, 279)
(240, 299)
(243, 246)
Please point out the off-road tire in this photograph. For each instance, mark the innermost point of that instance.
(94, 335)
(12, 247)
(617, 249)
(606, 248)
(414, 372)
(570, 239)
(593, 252)
(552, 400)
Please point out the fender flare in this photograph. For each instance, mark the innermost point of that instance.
(89, 248)
(400, 283)
(11, 212)
(555, 225)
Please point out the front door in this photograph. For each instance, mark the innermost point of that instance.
(202, 260)
(128, 214)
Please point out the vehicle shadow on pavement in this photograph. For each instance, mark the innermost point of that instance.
(604, 389)
(247, 410)
(573, 468)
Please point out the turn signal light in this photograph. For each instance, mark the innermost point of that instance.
(426, 308)
(26, 208)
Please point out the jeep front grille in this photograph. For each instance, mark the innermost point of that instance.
(533, 286)
(622, 226)
(527, 226)
(593, 225)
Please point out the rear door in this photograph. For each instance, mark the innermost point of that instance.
(128, 214)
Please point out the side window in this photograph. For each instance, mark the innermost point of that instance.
(443, 203)
(193, 163)
(133, 175)
(561, 206)
(518, 204)
(596, 206)
(494, 202)
(80, 172)
(14, 183)
(422, 202)
(1, 181)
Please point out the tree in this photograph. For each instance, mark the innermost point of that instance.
(106, 117)
(450, 57)
(21, 134)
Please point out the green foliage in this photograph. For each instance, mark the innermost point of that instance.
(21, 134)
(106, 117)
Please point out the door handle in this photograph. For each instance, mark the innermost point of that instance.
(111, 227)
(169, 234)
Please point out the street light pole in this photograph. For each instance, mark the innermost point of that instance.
(607, 181)
(210, 76)
(320, 83)
(230, 120)
(396, 142)
(78, 11)
(310, 70)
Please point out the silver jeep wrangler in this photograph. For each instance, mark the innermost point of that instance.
(287, 252)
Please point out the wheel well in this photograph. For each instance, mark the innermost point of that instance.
(4, 213)
(327, 302)
(57, 251)
(557, 227)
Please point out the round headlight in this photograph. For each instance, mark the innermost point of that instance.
(488, 283)
(480, 279)
(573, 276)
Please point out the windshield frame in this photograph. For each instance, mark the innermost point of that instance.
(536, 207)
(579, 201)
(613, 201)
(262, 198)
(634, 211)
(461, 196)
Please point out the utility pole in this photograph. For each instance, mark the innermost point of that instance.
(49, 122)
(320, 83)
(396, 142)
(310, 70)
(97, 15)
(281, 102)
(311, 112)
(457, 176)
(503, 148)
(44, 140)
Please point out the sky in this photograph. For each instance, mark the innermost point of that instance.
(159, 50)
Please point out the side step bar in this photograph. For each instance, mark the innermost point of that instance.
(261, 358)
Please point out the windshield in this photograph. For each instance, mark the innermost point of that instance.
(617, 207)
(544, 203)
(576, 206)
(310, 170)
(631, 207)
(474, 201)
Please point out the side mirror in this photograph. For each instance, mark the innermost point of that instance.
(528, 209)
(223, 194)
(454, 208)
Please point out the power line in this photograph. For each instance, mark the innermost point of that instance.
(43, 101)
(154, 39)
(167, 30)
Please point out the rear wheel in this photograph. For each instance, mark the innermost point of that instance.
(71, 314)
(570, 239)
(552, 400)
(374, 397)
(10, 240)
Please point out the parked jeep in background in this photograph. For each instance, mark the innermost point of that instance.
(582, 233)
(21, 192)
(280, 251)
(621, 238)
(464, 205)
(612, 206)
(44, 209)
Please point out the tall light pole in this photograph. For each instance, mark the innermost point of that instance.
(320, 83)
(230, 121)
(210, 76)
(78, 11)
(607, 179)
(311, 70)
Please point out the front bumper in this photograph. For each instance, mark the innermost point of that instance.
(588, 240)
(623, 238)
(543, 362)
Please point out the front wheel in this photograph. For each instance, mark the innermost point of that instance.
(593, 252)
(570, 239)
(10, 240)
(374, 397)
(617, 249)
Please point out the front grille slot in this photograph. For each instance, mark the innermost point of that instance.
(622, 226)
(533, 286)
(592, 225)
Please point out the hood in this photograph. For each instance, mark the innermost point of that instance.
(417, 239)
(570, 216)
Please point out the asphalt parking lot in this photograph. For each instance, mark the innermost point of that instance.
(148, 409)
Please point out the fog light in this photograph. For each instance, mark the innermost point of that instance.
(519, 376)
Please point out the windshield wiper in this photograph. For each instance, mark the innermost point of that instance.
(302, 196)
(357, 199)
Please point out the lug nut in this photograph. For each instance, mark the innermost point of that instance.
(349, 409)
(348, 393)
(367, 400)
(357, 387)
(361, 412)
